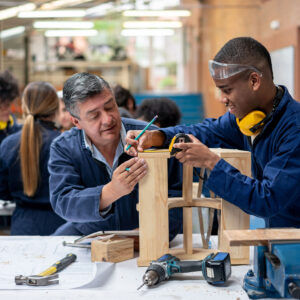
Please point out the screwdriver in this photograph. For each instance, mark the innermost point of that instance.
(59, 265)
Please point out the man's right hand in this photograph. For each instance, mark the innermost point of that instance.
(153, 138)
(123, 181)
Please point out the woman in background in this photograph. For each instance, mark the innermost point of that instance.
(9, 91)
(23, 163)
(64, 117)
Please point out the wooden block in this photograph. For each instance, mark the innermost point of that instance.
(115, 249)
(259, 237)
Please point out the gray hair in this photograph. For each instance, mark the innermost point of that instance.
(80, 87)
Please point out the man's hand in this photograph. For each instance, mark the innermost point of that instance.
(196, 154)
(124, 178)
(153, 138)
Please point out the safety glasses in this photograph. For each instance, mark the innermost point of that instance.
(222, 70)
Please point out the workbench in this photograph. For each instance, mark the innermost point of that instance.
(86, 280)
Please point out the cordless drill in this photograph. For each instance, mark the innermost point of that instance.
(216, 268)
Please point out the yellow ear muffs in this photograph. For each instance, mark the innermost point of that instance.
(3, 125)
(248, 125)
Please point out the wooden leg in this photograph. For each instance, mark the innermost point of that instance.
(200, 215)
(153, 211)
(187, 194)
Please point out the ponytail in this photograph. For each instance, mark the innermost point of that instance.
(30, 155)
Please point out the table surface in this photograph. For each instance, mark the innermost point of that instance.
(86, 280)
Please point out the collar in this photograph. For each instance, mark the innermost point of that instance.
(96, 154)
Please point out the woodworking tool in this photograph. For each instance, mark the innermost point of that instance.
(143, 131)
(46, 277)
(216, 268)
(35, 280)
(276, 271)
(178, 138)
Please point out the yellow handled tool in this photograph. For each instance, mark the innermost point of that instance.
(59, 265)
(178, 138)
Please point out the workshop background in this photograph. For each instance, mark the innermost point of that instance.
(154, 48)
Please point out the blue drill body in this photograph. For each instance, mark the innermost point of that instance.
(216, 268)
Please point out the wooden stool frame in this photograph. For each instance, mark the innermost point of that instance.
(154, 205)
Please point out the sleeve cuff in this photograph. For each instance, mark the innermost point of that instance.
(105, 211)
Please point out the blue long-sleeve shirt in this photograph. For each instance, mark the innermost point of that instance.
(77, 179)
(12, 127)
(33, 215)
(273, 193)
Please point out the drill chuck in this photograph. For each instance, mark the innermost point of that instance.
(150, 278)
(154, 274)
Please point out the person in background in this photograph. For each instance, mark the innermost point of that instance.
(262, 118)
(9, 91)
(166, 109)
(93, 183)
(24, 155)
(64, 117)
(125, 101)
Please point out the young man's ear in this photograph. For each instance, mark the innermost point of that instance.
(75, 121)
(255, 81)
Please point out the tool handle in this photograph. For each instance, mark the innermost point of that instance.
(59, 265)
(189, 266)
(143, 131)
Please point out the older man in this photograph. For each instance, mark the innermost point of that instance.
(93, 183)
(262, 118)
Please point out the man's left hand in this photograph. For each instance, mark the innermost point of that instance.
(196, 154)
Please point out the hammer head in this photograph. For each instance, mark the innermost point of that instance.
(34, 280)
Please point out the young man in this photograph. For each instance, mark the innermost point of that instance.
(93, 183)
(9, 91)
(261, 118)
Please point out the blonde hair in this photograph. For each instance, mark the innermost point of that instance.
(39, 101)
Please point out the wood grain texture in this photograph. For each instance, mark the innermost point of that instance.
(260, 236)
(232, 217)
(153, 209)
(115, 249)
(196, 202)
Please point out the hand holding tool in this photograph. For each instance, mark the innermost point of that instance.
(178, 138)
(143, 131)
(216, 268)
(46, 277)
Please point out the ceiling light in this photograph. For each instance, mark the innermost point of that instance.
(100, 10)
(11, 32)
(147, 32)
(12, 12)
(59, 3)
(63, 24)
(152, 24)
(156, 13)
(59, 33)
(53, 14)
